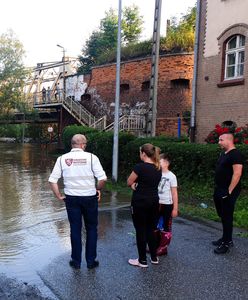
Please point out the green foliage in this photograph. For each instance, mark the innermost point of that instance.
(37, 132)
(100, 48)
(131, 24)
(69, 131)
(133, 50)
(101, 144)
(12, 72)
(181, 36)
(11, 130)
(104, 40)
(241, 217)
(194, 165)
(190, 162)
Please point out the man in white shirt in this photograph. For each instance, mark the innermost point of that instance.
(79, 170)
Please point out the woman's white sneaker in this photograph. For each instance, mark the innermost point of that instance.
(136, 263)
(155, 262)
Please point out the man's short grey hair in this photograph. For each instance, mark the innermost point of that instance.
(78, 139)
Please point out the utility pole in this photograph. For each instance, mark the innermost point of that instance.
(152, 112)
(194, 87)
(117, 102)
(63, 59)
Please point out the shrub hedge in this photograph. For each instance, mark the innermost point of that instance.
(194, 165)
(69, 131)
(190, 162)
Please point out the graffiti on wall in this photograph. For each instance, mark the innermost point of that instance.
(98, 107)
(75, 87)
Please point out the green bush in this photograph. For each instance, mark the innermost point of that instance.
(188, 161)
(194, 165)
(69, 131)
(12, 130)
(101, 144)
(98, 142)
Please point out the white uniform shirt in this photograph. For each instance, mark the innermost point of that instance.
(168, 180)
(79, 170)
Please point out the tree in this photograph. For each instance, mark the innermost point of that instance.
(180, 36)
(132, 24)
(12, 71)
(104, 40)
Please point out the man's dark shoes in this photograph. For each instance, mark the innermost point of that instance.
(222, 249)
(94, 265)
(74, 265)
(220, 241)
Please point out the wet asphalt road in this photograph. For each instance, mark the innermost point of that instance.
(190, 271)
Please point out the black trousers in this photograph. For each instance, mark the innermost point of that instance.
(145, 218)
(165, 211)
(225, 205)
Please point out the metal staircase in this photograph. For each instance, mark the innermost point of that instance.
(131, 123)
(79, 112)
(82, 115)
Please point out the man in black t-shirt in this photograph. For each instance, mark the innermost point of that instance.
(227, 189)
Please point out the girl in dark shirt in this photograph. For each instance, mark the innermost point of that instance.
(144, 181)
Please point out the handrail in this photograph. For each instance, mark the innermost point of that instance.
(129, 123)
(78, 111)
(84, 117)
(82, 114)
(111, 125)
(100, 123)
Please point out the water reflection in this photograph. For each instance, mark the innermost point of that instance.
(33, 224)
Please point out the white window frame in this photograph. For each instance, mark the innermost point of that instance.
(236, 51)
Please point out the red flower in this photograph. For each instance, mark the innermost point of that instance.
(218, 130)
(240, 134)
(225, 130)
(238, 129)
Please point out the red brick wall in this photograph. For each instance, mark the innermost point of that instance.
(172, 99)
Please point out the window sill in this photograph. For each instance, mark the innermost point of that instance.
(233, 82)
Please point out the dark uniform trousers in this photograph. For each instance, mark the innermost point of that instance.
(86, 207)
(225, 204)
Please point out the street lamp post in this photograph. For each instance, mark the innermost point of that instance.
(64, 87)
(117, 102)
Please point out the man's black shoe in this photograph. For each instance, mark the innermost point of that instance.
(94, 265)
(74, 265)
(220, 241)
(222, 249)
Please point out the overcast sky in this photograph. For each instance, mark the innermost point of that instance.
(41, 25)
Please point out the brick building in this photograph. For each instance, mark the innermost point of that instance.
(221, 87)
(174, 89)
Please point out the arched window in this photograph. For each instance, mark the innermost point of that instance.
(235, 57)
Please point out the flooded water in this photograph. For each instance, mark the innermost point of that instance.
(33, 224)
